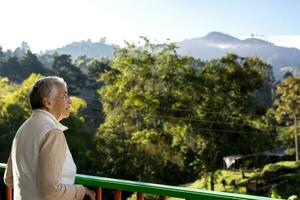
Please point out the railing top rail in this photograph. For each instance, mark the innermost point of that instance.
(157, 189)
(2, 167)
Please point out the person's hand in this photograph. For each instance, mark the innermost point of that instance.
(90, 193)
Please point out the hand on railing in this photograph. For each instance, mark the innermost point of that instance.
(90, 193)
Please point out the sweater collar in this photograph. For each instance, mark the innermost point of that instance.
(56, 122)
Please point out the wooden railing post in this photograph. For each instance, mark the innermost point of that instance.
(162, 198)
(8, 193)
(99, 193)
(139, 196)
(118, 194)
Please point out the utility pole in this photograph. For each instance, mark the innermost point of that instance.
(296, 137)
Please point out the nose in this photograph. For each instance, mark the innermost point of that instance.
(70, 100)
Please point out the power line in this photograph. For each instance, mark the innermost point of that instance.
(228, 131)
(198, 120)
(192, 119)
(187, 110)
(165, 108)
(212, 112)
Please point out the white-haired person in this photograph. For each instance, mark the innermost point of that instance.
(40, 166)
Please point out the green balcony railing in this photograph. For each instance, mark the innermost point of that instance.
(142, 188)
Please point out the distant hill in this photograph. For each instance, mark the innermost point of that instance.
(216, 44)
(88, 48)
(213, 45)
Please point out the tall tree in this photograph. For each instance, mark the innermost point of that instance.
(95, 68)
(81, 63)
(18, 69)
(288, 103)
(13, 112)
(141, 136)
(230, 83)
(19, 52)
(2, 56)
(63, 67)
(263, 97)
(31, 64)
(12, 69)
(161, 105)
(47, 59)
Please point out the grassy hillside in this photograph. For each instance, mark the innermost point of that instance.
(278, 180)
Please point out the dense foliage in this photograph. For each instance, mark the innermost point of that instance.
(178, 114)
(150, 114)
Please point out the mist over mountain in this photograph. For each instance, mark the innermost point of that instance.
(88, 48)
(213, 45)
(216, 44)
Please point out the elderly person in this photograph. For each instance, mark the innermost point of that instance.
(40, 166)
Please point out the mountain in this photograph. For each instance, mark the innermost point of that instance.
(213, 45)
(88, 48)
(216, 44)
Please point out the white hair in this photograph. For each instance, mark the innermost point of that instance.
(44, 87)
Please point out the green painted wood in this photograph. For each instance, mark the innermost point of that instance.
(2, 167)
(157, 189)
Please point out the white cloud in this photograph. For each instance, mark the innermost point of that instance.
(223, 46)
(286, 40)
(292, 41)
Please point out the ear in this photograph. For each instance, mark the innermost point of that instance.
(46, 102)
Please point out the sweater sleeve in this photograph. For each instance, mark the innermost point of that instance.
(8, 174)
(52, 156)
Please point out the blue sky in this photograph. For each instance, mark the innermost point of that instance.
(47, 24)
(269, 17)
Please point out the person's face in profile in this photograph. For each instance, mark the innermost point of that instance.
(59, 104)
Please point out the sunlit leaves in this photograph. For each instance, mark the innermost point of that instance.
(288, 103)
(16, 104)
(77, 104)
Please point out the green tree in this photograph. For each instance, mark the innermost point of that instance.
(31, 64)
(47, 59)
(288, 103)
(263, 96)
(229, 87)
(81, 63)
(63, 67)
(18, 69)
(95, 68)
(177, 112)
(6, 88)
(13, 111)
(2, 56)
(141, 137)
(11, 69)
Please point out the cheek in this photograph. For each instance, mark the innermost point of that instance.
(67, 106)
